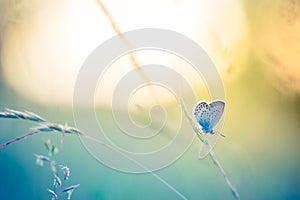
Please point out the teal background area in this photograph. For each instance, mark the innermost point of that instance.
(260, 154)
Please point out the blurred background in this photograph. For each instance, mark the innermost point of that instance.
(254, 45)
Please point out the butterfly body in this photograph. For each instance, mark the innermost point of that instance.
(208, 114)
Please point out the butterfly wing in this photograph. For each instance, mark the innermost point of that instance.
(216, 112)
(208, 115)
(202, 114)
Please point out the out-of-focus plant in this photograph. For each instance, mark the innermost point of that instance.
(43, 125)
(61, 173)
(46, 126)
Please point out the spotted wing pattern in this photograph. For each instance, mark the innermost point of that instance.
(208, 115)
(202, 114)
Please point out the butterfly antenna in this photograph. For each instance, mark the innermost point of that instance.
(221, 134)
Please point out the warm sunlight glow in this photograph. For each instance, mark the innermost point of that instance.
(44, 48)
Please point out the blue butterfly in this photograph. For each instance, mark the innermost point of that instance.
(207, 116)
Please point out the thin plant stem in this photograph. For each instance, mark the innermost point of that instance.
(43, 125)
(221, 169)
(134, 61)
(118, 31)
(47, 126)
(198, 133)
(140, 165)
(62, 141)
(19, 138)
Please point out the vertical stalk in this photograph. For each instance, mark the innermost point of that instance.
(132, 57)
(197, 131)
